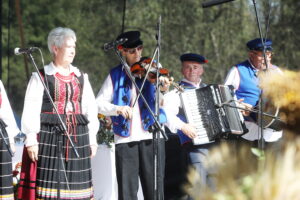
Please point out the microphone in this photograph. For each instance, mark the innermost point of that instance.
(19, 51)
(213, 3)
(113, 44)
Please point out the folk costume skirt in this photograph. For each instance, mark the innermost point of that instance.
(71, 174)
(6, 178)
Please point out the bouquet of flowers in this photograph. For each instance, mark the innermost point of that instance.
(105, 134)
(16, 177)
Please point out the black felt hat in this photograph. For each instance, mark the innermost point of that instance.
(193, 57)
(133, 39)
(257, 45)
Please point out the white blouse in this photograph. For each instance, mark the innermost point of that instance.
(34, 99)
(6, 114)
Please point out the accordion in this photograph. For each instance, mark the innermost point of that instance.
(212, 110)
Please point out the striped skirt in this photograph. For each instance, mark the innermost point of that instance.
(71, 174)
(6, 178)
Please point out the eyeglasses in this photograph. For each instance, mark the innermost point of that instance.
(133, 50)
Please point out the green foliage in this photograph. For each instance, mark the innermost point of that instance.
(106, 137)
(260, 154)
(105, 134)
(219, 33)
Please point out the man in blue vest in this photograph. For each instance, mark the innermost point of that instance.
(192, 71)
(133, 140)
(244, 78)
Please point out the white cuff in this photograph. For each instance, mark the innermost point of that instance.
(31, 140)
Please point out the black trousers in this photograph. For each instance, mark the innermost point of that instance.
(134, 160)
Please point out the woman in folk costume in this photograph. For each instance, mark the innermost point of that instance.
(74, 99)
(8, 129)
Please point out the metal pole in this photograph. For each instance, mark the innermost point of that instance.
(21, 31)
(9, 19)
(261, 142)
(123, 17)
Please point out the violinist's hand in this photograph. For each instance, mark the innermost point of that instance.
(245, 106)
(125, 111)
(189, 130)
(33, 152)
(165, 83)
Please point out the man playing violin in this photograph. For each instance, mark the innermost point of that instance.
(131, 122)
(192, 71)
(244, 78)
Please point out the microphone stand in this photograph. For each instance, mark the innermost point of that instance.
(156, 132)
(156, 165)
(59, 130)
(250, 110)
(146, 75)
(261, 141)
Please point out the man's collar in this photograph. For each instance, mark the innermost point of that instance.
(192, 83)
(253, 67)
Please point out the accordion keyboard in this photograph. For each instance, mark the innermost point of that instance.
(192, 108)
(213, 112)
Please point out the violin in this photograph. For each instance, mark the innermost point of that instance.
(140, 68)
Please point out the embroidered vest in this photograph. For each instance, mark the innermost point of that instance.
(65, 91)
(248, 88)
(122, 97)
